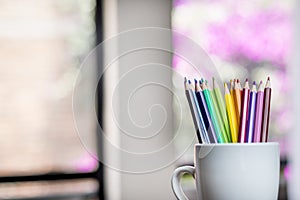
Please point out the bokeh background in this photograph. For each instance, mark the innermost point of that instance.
(43, 44)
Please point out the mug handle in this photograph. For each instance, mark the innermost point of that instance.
(177, 174)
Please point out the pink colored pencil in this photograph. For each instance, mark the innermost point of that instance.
(259, 111)
(244, 112)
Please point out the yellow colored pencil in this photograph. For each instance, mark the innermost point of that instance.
(231, 115)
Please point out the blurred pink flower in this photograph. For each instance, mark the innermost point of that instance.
(86, 163)
(262, 36)
(177, 3)
(287, 172)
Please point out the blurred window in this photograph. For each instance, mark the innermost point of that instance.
(42, 44)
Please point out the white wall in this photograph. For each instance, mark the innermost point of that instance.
(142, 100)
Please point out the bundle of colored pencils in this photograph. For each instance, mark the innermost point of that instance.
(243, 116)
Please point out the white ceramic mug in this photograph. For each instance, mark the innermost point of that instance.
(235, 171)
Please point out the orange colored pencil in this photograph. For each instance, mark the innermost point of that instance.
(240, 86)
(237, 100)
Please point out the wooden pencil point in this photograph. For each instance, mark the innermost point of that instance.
(268, 83)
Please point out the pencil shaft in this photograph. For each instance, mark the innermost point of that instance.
(244, 114)
(193, 116)
(208, 99)
(199, 118)
(219, 118)
(232, 117)
(231, 84)
(251, 115)
(202, 110)
(266, 115)
(207, 120)
(258, 116)
(238, 104)
(222, 110)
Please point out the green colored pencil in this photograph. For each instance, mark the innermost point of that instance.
(220, 134)
(218, 115)
(221, 107)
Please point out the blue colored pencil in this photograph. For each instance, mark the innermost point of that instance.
(203, 131)
(205, 114)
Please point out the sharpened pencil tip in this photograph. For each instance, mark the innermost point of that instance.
(195, 80)
(246, 80)
(254, 89)
(253, 83)
(268, 83)
(214, 82)
(185, 79)
(189, 81)
(260, 87)
(238, 80)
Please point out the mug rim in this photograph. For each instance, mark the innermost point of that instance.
(239, 144)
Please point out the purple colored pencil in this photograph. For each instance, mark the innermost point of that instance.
(259, 111)
(251, 114)
(244, 113)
